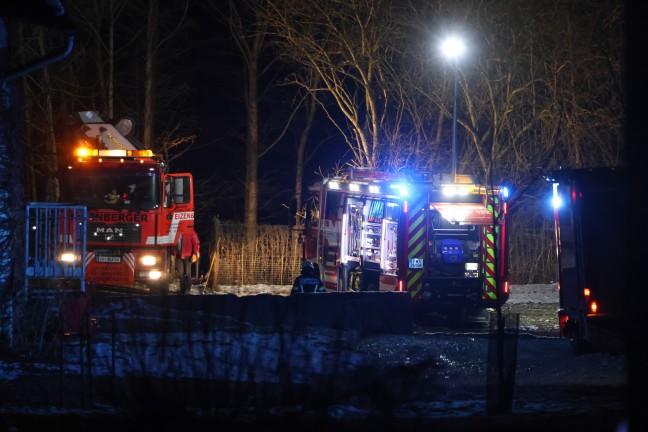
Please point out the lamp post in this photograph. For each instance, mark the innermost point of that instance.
(453, 48)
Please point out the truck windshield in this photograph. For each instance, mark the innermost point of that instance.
(128, 189)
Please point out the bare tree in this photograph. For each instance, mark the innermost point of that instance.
(89, 80)
(156, 37)
(249, 32)
(250, 39)
(310, 108)
(100, 19)
(38, 111)
(151, 32)
(133, 45)
(346, 43)
(535, 91)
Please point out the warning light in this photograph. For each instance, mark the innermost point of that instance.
(82, 152)
(400, 189)
(594, 307)
(556, 200)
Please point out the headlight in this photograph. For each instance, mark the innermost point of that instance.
(149, 260)
(155, 274)
(68, 257)
(472, 266)
(472, 270)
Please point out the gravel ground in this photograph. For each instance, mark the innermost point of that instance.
(536, 318)
(537, 307)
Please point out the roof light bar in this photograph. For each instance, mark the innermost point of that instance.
(454, 190)
(86, 152)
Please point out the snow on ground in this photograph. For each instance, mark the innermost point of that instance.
(231, 349)
(223, 346)
(235, 349)
(231, 355)
(249, 289)
(534, 293)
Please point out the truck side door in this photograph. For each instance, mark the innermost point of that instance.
(178, 205)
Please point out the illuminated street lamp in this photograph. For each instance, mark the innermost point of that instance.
(453, 48)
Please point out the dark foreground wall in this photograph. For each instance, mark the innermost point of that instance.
(365, 312)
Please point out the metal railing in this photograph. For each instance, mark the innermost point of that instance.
(55, 245)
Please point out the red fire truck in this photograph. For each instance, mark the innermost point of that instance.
(591, 221)
(442, 241)
(137, 211)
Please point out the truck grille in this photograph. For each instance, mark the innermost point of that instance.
(114, 234)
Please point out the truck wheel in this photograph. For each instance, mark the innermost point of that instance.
(341, 280)
(345, 279)
(579, 345)
(355, 281)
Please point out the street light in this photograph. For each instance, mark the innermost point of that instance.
(453, 48)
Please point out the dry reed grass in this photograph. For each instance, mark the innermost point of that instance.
(273, 259)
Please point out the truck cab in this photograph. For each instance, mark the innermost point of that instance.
(137, 211)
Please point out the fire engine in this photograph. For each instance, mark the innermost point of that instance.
(137, 211)
(442, 240)
(590, 208)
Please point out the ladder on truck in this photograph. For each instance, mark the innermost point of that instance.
(55, 248)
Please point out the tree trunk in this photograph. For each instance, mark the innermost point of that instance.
(311, 107)
(12, 212)
(252, 171)
(149, 74)
(51, 166)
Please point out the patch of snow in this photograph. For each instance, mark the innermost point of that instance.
(534, 293)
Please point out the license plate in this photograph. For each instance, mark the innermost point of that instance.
(108, 259)
(416, 263)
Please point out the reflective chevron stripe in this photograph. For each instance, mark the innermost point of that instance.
(416, 243)
(488, 235)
